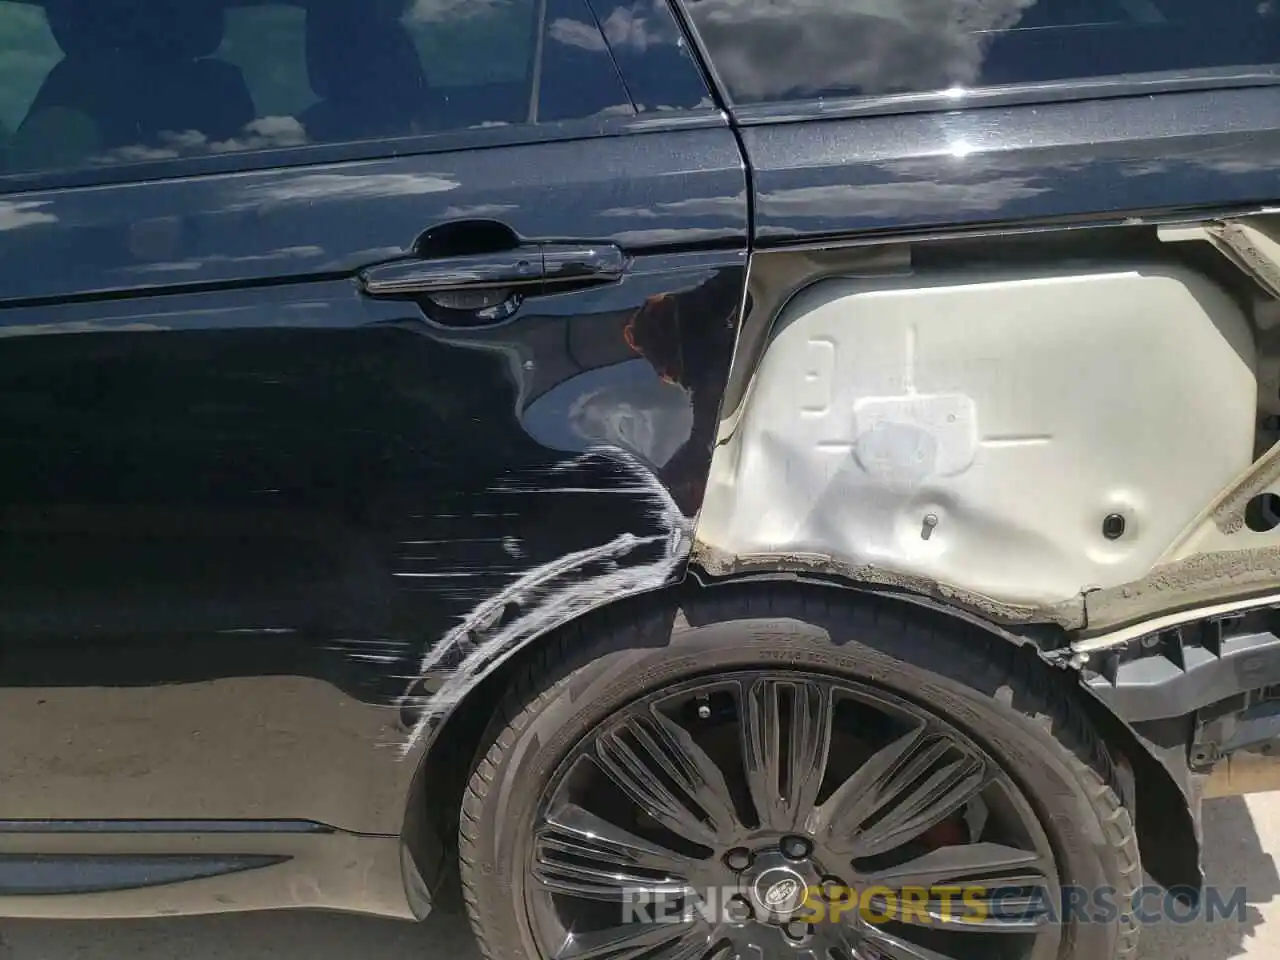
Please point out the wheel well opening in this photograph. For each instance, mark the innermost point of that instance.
(436, 797)
(1166, 822)
(435, 800)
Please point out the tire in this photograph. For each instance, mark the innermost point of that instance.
(1023, 717)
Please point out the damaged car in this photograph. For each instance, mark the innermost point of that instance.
(703, 478)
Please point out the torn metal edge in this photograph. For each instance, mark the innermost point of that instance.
(1068, 614)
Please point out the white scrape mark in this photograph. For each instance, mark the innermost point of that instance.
(556, 592)
(1017, 440)
(437, 576)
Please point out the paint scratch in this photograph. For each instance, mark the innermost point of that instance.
(556, 592)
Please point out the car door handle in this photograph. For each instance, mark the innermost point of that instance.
(534, 267)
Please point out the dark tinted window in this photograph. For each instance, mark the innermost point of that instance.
(768, 50)
(579, 77)
(102, 82)
(653, 55)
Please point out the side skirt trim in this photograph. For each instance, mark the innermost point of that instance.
(138, 869)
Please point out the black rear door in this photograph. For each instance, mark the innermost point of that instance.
(313, 317)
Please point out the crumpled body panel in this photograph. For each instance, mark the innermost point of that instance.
(1016, 436)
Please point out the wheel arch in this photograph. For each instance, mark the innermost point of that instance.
(1151, 770)
(447, 754)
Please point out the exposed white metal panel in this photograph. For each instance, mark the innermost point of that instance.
(974, 429)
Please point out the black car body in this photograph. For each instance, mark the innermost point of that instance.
(351, 352)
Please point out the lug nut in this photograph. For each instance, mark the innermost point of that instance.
(832, 890)
(795, 930)
(737, 910)
(796, 848)
(738, 859)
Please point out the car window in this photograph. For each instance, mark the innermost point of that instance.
(268, 44)
(456, 44)
(652, 52)
(464, 43)
(90, 83)
(28, 52)
(778, 50)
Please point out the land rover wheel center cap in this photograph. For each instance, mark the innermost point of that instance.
(778, 893)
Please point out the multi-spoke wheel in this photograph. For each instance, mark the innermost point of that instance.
(817, 787)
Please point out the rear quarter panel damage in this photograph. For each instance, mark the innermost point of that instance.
(884, 196)
(968, 430)
(1063, 427)
(956, 420)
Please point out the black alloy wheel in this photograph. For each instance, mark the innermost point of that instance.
(776, 773)
(732, 816)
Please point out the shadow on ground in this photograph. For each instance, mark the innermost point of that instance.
(1234, 857)
(1236, 837)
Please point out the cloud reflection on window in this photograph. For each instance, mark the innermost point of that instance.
(796, 47)
(768, 50)
(438, 11)
(266, 133)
